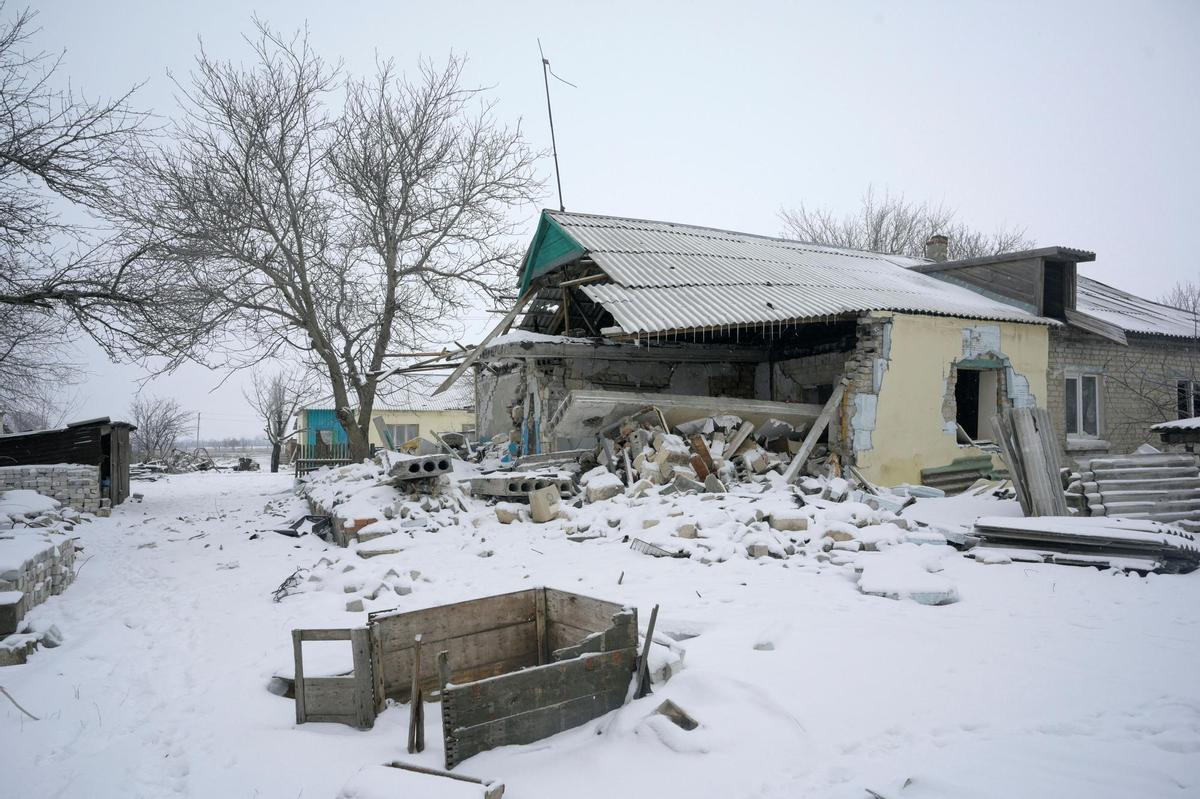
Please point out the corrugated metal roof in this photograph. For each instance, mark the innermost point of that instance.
(1131, 313)
(670, 277)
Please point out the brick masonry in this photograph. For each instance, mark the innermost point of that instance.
(72, 485)
(1137, 385)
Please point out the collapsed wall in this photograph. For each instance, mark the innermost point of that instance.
(73, 485)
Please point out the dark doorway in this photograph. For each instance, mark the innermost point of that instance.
(966, 401)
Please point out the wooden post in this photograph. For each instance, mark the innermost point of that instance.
(416, 715)
(810, 440)
(443, 660)
(297, 644)
(377, 667)
(643, 681)
(540, 615)
(364, 683)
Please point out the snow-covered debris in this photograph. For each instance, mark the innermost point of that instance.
(908, 571)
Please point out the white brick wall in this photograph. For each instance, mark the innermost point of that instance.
(73, 485)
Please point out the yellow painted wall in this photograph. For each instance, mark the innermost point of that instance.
(428, 421)
(909, 430)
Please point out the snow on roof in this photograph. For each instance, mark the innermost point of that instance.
(1178, 424)
(1131, 313)
(530, 337)
(669, 277)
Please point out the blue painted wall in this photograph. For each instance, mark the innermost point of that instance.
(323, 419)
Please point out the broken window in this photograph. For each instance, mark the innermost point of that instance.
(1083, 405)
(976, 393)
(1188, 398)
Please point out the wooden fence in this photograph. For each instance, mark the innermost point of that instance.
(310, 457)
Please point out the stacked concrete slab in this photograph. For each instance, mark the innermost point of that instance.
(71, 484)
(33, 568)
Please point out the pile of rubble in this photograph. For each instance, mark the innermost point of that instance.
(179, 461)
(642, 452)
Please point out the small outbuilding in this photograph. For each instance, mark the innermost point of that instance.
(101, 443)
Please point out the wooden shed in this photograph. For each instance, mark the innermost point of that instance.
(94, 442)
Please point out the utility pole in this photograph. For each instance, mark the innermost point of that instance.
(546, 73)
(197, 428)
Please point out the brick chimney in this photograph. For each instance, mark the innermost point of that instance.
(937, 248)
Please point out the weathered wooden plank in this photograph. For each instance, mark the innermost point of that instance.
(810, 441)
(377, 681)
(560, 636)
(325, 634)
(541, 613)
(416, 715)
(364, 683)
(1005, 437)
(328, 696)
(621, 635)
(298, 654)
(531, 726)
(458, 619)
(580, 611)
(528, 705)
(481, 653)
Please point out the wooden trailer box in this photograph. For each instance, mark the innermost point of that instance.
(522, 666)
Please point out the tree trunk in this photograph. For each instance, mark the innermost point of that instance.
(275, 447)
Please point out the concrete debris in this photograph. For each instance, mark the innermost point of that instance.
(544, 504)
(1162, 487)
(677, 715)
(1128, 544)
(415, 467)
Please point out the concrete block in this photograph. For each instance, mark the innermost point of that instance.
(12, 611)
(401, 467)
(507, 513)
(544, 504)
(788, 522)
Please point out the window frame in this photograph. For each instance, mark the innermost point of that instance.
(1192, 394)
(396, 440)
(1079, 378)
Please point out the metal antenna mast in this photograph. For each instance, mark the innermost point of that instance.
(546, 73)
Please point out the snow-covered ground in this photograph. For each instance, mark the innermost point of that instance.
(1040, 681)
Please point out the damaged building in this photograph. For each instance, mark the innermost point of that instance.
(638, 308)
(1117, 363)
(616, 314)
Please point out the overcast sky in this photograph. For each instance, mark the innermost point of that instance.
(1078, 121)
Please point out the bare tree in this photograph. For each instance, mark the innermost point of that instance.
(276, 398)
(60, 153)
(893, 224)
(160, 422)
(1184, 295)
(339, 236)
(43, 405)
